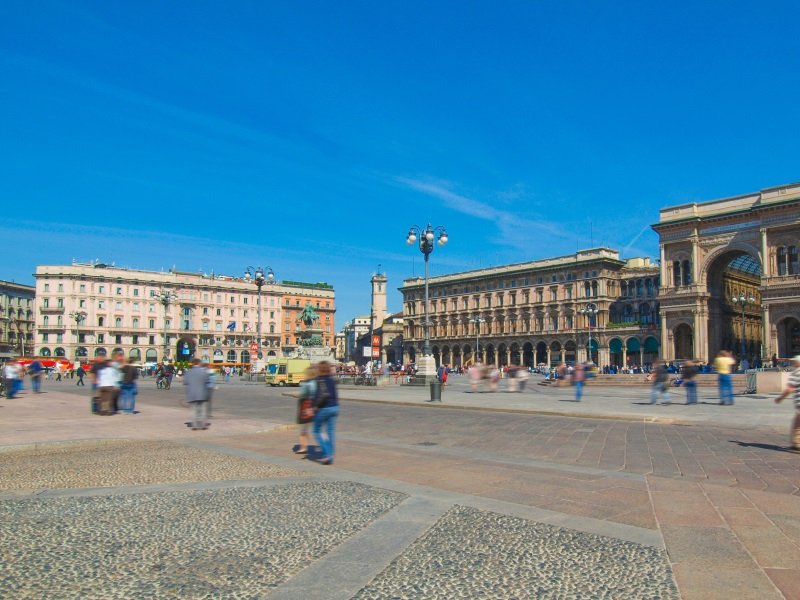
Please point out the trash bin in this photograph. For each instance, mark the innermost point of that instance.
(436, 391)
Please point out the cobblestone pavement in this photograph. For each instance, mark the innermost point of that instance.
(478, 554)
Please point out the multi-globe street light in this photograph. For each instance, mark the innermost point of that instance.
(426, 237)
(79, 316)
(166, 297)
(742, 301)
(256, 274)
(590, 310)
(477, 320)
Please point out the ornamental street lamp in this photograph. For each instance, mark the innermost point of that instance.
(477, 320)
(166, 297)
(257, 276)
(742, 301)
(590, 310)
(79, 316)
(426, 238)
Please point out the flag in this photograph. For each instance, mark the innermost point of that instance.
(232, 325)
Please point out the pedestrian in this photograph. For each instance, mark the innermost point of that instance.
(723, 364)
(660, 383)
(475, 376)
(36, 370)
(578, 380)
(494, 379)
(793, 388)
(11, 375)
(521, 378)
(326, 406)
(196, 382)
(212, 385)
(107, 377)
(305, 408)
(81, 373)
(128, 389)
(117, 362)
(688, 373)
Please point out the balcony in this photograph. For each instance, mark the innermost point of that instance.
(49, 310)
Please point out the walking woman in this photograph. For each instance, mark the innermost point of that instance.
(326, 401)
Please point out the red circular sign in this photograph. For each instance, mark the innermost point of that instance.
(253, 347)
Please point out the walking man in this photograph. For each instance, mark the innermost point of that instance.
(793, 389)
(660, 384)
(578, 379)
(688, 374)
(723, 364)
(196, 382)
(36, 370)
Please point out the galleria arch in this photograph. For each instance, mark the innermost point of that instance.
(741, 247)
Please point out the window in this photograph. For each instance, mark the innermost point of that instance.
(60, 287)
(46, 287)
(118, 322)
(135, 323)
(272, 314)
(539, 295)
(219, 312)
(233, 312)
(60, 303)
(45, 337)
(568, 292)
(152, 323)
(205, 325)
(119, 291)
(217, 326)
(135, 291)
(101, 321)
(59, 320)
(553, 294)
(205, 310)
(167, 323)
(151, 308)
(46, 320)
(151, 339)
(244, 299)
(117, 339)
(101, 289)
(135, 339)
(101, 338)
(82, 287)
(245, 313)
(59, 337)
(82, 303)
(272, 327)
(233, 300)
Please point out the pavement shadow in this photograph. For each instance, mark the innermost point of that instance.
(763, 446)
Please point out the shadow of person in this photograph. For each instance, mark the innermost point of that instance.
(764, 446)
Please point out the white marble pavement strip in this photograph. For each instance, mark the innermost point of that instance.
(348, 568)
(630, 533)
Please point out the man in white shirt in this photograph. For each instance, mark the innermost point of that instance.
(11, 375)
(793, 389)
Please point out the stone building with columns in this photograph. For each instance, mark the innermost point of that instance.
(16, 319)
(731, 277)
(535, 312)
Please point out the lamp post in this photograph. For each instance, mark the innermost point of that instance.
(257, 276)
(426, 238)
(166, 297)
(477, 320)
(79, 316)
(742, 301)
(590, 310)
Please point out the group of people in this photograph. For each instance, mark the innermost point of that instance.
(318, 407)
(114, 385)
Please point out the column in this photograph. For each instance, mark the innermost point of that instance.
(769, 348)
(663, 267)
(549, 358)
(695, 266)
(508, 355)
(624, 355)
(766, 267)
(563, 354)
(667, 353)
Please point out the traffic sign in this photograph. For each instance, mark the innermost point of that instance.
(253, 347)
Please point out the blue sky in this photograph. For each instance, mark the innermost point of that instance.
(310, 136)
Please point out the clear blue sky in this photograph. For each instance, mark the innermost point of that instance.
(308, 136)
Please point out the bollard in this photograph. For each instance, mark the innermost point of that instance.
(436, 391)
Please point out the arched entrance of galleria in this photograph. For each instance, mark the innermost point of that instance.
(730, 276)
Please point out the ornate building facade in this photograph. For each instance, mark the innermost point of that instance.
(16, 319)
(590, 304)
(88, 310)
(744, 248)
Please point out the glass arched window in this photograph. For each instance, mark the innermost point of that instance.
(594, 289)
(60, 352)
(44, 352)
(231, 355)
(687, 272)
(100, 321)
(46, 321)
(791, 255)
(136, 323)
(118, 322)
(272, 327)
(782, 260)
(676, 273)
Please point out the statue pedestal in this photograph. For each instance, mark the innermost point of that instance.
(426, 370)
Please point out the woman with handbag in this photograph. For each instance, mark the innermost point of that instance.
(305, 408)
(326, 404)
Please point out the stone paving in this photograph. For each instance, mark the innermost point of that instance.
(467, 500)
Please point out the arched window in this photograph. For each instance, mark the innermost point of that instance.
(639, 288)
(676, 273)
(44, 352)
(46, 321)
(645, 316)
(272, 327)
(100, 321)
(792, 259)
(594, 289)
(136, 323)
(782, 260)
(587, 290)
(687, 272)
(231, 355)
(118, 322)
(648, 284)
(100, 352)
(60, 352)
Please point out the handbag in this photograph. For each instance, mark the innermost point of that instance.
(306, 410)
